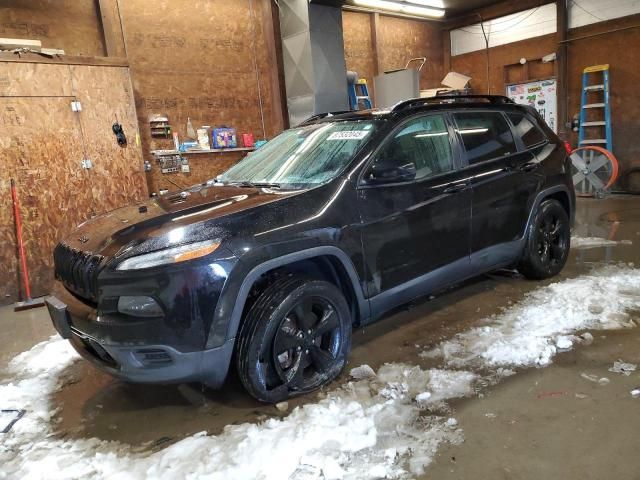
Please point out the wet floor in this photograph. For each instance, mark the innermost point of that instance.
(536, 432)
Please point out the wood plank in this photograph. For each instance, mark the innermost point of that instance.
(446, 47)
(109, 16)
(375, 45)
(64, 60)
(562, 66)
(268, 18)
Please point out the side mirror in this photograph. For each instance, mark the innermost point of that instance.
(384, 173)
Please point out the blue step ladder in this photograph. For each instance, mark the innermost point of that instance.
(603, 121)
(359, 92)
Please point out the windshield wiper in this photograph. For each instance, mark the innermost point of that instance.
(255, 184)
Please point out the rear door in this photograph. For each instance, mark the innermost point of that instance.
(503, 180)
(412, 228)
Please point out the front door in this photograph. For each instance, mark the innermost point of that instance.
(414, 226)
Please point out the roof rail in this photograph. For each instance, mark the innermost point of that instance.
(414, 102)
(320, 116)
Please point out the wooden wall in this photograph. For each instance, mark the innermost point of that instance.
(184, 66)
(42, 144)
(71, 25)
(398, 40)
(619, 49)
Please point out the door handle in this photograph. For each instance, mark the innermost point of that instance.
(455, 188)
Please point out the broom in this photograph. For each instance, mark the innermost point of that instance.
(28, 302)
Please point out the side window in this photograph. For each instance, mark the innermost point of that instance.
(485, 135)
(530, 134)
(424, 142)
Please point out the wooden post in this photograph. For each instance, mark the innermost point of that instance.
(446, 47)
(270, 20)
(109, 18)
(375, 38)
(562, 68)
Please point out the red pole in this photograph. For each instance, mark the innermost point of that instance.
(23, 258)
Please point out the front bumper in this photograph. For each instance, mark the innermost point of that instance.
(139, 363)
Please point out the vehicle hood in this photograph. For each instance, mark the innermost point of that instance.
(148, 226)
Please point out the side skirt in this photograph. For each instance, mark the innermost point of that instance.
(486, 260)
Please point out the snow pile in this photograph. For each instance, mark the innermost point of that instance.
(357, 431)
(593, 242)
(531, 332)
(384, 424)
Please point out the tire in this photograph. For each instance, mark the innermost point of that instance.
(294, 339)
(548, 241)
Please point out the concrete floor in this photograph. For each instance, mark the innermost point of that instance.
(540, 423)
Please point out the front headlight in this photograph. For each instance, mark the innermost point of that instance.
(170, 255)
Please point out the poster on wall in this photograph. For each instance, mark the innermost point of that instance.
(542, 95)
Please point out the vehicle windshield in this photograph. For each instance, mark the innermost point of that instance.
(301, 157)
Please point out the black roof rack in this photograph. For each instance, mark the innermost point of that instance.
(320, 116)
(414, 102)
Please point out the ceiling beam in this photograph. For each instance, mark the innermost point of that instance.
(501, 9)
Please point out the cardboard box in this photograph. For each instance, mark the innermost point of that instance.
(451, 82)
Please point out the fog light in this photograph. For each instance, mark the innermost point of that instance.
(139, 306)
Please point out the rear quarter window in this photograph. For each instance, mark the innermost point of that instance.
(531, 135)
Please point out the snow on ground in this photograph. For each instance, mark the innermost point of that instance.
(546, 320)
(369, 428)
(384, 424)
(593, 242)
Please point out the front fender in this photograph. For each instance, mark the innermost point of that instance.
(230, 307)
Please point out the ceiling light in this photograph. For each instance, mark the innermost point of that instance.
(402, 8)
(428, 3)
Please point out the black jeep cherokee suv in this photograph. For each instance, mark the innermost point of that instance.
(330, 224)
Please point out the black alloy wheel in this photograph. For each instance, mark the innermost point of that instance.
(548, 242)
(295, 338)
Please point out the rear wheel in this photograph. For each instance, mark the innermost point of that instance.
(294, 339)
(548, 241)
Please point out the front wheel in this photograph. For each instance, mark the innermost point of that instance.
(294, 339)
(547, 243)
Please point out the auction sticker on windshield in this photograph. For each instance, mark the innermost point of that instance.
(348, 135)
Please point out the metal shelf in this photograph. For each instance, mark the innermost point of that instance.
(209, 150)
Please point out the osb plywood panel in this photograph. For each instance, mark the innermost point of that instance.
(474, 64)
(358, 48)
(23, 79)
(204, 166)
(184, 66)
(40, 148)
(68, 24)
(401, 39)
(42, 144)
(117, 176)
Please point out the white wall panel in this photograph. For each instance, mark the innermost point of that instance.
(512, 28)
(585, 12)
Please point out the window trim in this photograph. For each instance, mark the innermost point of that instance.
(522, 146)
(465, 154)
(454, 143)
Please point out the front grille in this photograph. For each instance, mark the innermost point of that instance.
(78, 270)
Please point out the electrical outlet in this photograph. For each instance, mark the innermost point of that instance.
(86, 164)
(76, 106)
(185, 169)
